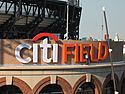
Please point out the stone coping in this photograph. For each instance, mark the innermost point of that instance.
(57, 66)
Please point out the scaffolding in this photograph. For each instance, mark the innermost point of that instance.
(23, 19)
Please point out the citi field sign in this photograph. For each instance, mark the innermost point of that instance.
(76, 52)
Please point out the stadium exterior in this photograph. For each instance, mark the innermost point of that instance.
(31, 77)
(53, 66)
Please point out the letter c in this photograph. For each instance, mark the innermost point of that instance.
(18, 50)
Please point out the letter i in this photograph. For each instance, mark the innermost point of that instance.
(35, 53)
(55, 52)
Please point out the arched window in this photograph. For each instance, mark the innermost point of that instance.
(52, 89)
(86, 88)
(109, 89)
(123, 86)
(10, 89)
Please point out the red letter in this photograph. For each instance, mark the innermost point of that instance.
(93, 54)
(76, 53)
(103, 51)
(83, 52)
(67, 52)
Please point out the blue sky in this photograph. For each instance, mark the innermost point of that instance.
(92, 15)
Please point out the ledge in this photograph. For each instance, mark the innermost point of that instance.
(58, 67)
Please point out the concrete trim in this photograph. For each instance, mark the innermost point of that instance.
(8, 80)
(59, 67)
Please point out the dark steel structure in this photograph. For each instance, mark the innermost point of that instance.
(22, 19)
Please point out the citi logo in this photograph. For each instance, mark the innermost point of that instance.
(44, 46)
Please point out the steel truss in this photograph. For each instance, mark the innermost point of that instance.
(26, 18)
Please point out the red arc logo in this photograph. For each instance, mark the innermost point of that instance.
(40, 35)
